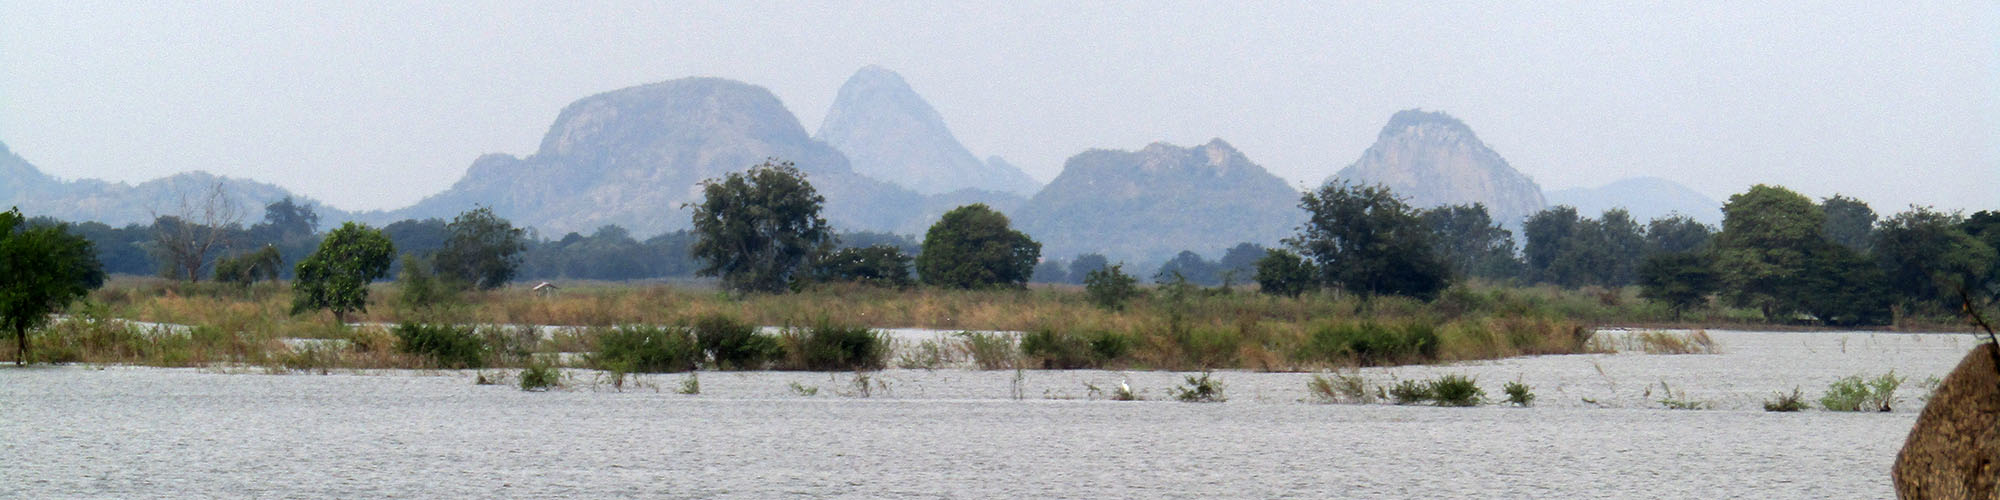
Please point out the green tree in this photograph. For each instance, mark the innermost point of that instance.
(880, 265)
(42, 270)
(1676, 234)
(336, 276)
(1841, 287)
(1282, 272)
(1239, 263)
(1084, 264)
(1110, 287)
(1190, 267)
(1471, 242)
(1681, 280)
(1849, 222)
(973, 247)
(1366, 240)
(243, 270)
(1624, 245)
(757, 230)
(1051, 271)
(1768, 234)
(480, 250)
(1550, 234)
(1929, 258)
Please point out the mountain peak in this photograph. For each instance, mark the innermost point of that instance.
(1403, 121)
(1433, 159)
(1111, 202)
(890, 133)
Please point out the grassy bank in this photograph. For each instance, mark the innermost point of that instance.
(1198, 329)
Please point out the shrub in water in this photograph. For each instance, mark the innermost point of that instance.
(445, 346)
(829, 347)
(1786, 402)
(1519, 394)
(1410, 392)
(1339, 388)
(1855, 393)
(539, 376)
(1456, 390)
(1108, 346)
(1200, 390)
(733, 344)
(1053, 350)
(1371, 344)
(991, 351)
(645, 349)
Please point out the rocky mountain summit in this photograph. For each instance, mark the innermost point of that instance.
(890, 133)
(1432, 159)
(1147, 205)
(633, 156)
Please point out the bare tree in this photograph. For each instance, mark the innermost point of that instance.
(198, 225)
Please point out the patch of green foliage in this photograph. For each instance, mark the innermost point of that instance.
(540, 376)
(831, 347)
(1786, 402)
(1110, 287)
(1370, 343)
(1202, 389)
(445, 346)
(1856, 393)
(973, 247)
(1519, 394)
(732, 344)
(645, 349)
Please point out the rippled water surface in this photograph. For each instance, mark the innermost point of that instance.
(1596, 432)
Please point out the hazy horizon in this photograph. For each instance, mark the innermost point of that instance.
(1894, 104)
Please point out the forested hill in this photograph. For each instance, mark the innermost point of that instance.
(1147, 205)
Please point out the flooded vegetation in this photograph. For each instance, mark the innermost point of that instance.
(1596, 427)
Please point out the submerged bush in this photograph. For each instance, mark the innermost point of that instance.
(1786, 402)
(1519, 394)
(1854, 393)
(645, 349)
(829, 347)
(1201, 389)
(991, 351)
(1371, 344)
(1339, 388)
(539, 376)
(733, 344)
(1062, 350)
(1410, 392)
(1456, 390)
(446, 346)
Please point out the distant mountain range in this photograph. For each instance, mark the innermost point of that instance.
(888, 132)
(885, 161)
(1646, 198)
(1432, 159)
(117, 203)
(1147, 205)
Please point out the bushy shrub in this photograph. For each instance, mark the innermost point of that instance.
(733, 344)
(830, 347)
(1055, 350)
(1340, 388)
(1456, 390)
(1856, 393)
(1519, 394)
(991, 351)
(645, 349)
(1110, 287)
(446, 346)
(1786, 402)
(1371, 344)
(1410, 392)
(539, 376)
(1203, 389)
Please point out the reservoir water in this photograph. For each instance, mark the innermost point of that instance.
(1597, 431)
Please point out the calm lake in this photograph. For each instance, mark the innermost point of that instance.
(1597, 431)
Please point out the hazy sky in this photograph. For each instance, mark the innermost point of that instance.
(374, 105)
